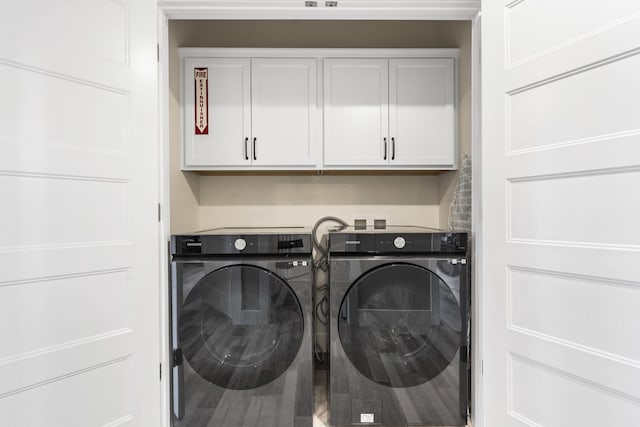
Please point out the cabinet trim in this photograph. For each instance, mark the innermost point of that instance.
(347, 9)
(319, 53)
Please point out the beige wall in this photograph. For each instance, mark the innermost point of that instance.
(200, 202)
(301, 200)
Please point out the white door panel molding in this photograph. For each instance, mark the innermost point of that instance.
(80, 288)
(559, 159)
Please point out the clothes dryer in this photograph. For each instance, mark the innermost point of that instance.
(399, 315)
(241, 304)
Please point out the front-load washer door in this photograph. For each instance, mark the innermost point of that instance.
(240, 327)
(400, 325)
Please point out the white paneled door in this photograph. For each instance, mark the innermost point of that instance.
(79, 231)
(561, 245)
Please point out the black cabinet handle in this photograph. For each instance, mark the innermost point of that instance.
(385, 148)
(254, 149)
(393, 148)
(246, 148)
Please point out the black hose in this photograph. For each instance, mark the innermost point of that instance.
(316, 243)
(321, 309)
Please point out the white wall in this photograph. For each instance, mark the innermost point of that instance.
(200, 202)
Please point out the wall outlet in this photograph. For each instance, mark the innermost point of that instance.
(360, 224)
(371, 221)
(379, 223)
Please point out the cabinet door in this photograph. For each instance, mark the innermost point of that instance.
(421, 112)
(284, 111)
(228, 119)
(356, 112)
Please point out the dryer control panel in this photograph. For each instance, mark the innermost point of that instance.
(400, 240)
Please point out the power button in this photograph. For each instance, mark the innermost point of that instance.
(399, 242)
(240, 244)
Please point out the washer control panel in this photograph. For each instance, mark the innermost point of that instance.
(245, 244)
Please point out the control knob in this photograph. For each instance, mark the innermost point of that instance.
(240, 244)
(399, 242)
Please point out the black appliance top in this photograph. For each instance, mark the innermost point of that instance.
(394, 240)
(243, 241)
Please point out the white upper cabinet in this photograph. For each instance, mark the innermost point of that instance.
(283, 107)
(389, 112)
(421, 112)
(221, 135)
(356, 111)
(296, 109)
(249, 113)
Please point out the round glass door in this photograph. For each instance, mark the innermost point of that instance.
(240, 327)
(400, 325)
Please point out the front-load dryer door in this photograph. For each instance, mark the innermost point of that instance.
(400, 325)
(240, 327)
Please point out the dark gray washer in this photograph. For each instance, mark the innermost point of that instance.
(279, 395)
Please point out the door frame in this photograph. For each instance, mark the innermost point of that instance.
(469, 11)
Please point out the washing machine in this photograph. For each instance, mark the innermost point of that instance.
(241, 328)
(399, 316)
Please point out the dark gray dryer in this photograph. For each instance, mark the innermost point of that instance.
(399, 316)
(241, 305)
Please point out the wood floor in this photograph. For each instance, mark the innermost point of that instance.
(321, 416)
